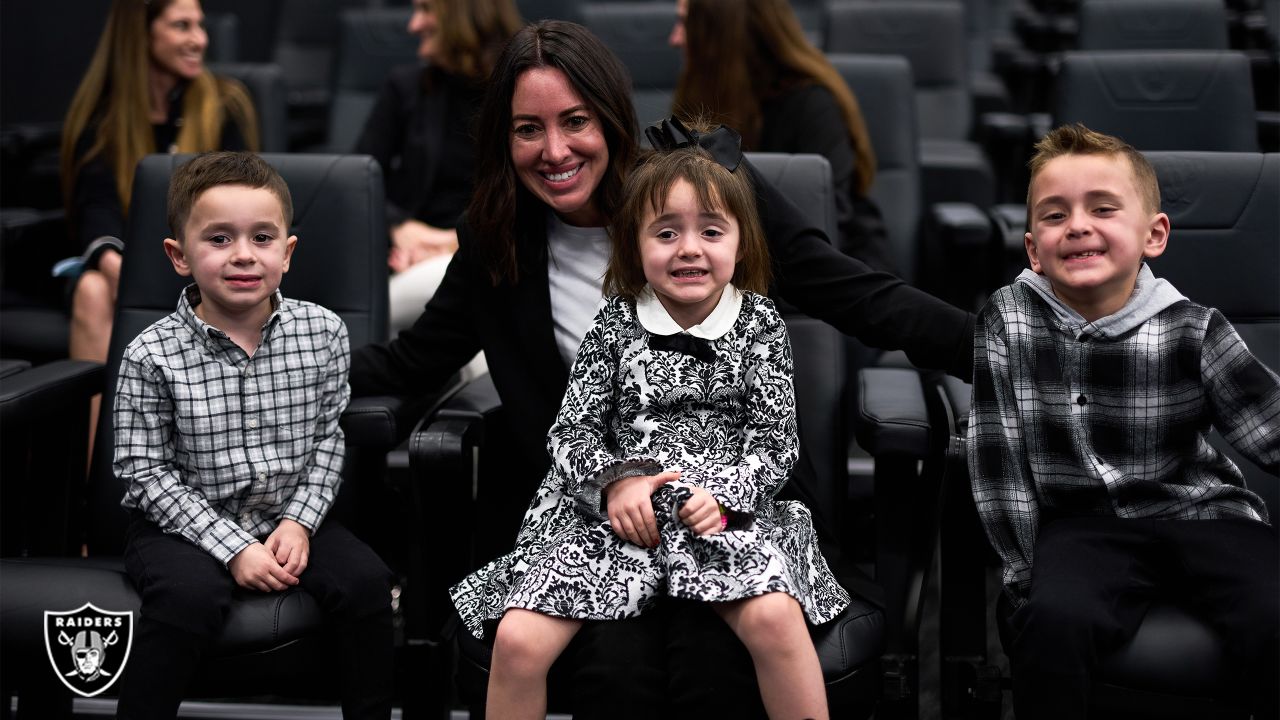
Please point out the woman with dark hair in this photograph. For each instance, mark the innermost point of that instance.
(556, 140)
(748, 65)
(419, 131)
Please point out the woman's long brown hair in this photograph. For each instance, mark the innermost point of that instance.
(114, 93)
(473, 33)
(739, 53)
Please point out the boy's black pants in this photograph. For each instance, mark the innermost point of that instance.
(186, 594)
(1093, 578)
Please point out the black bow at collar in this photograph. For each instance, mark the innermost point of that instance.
(694, 347)
(724, 143)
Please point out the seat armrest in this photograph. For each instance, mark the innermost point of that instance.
(47, 390)
(955, 170)
(963, 241)
(443, 483)
(379, 421)
(10, 366)
(454, 428)
(960, 225)
(892, 417)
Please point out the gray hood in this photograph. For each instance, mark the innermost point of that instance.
(1150, 296)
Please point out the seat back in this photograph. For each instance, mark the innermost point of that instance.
(637, 33)
(1153, 25)
(305, 42)
(340, 263)
(1161, 100)
(1224, 252)
(818, 349)
(265, 83)
(883, 86)
(257, 22)
(371, 41)
(535, 10)
(931, 35)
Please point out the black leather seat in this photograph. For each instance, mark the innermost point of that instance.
(637, 33)
(1161, 100)
(340, 263)
(371, 41)
(265, 83)
(1153, 25)
(931, 35)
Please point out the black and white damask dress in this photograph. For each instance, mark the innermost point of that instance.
(714, 402)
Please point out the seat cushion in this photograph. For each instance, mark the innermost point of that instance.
(257, 622)
(851, 641)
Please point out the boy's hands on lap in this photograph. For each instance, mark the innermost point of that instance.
(631, 507)
(701, 513)
(291, 544)
(276, 564)
(255, 568)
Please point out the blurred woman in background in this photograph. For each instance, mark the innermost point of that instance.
(419, 132)
(748, 65)
(146, 90)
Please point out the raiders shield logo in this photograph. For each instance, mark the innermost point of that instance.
(88, 647)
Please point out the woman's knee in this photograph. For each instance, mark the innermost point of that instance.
(92, 300)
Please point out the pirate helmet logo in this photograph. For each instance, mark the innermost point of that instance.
(88, 647)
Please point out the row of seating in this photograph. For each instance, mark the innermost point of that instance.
(1226, 252)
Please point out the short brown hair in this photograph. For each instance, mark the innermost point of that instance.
(210, 170)
(1076, 139)
(647, 189)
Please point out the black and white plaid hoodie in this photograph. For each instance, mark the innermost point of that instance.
(1111, 417)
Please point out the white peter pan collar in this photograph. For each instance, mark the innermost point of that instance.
(654, 317)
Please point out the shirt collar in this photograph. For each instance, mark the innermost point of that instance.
(655, 319)
(190, 298)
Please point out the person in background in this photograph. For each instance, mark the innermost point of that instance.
(748, 65)
(420, 133)
(147, 90)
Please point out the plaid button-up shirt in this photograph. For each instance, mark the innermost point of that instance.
(218, 446)
(1072, 422)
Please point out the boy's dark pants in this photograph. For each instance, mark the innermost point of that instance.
(1093, 578)
(186, 594)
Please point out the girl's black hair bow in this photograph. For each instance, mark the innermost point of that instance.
(724, 143)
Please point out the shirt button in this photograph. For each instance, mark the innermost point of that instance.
(253, 422)
(1082, 400)
(262, 477)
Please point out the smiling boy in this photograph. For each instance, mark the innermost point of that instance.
(1095, 387)
(228, 443)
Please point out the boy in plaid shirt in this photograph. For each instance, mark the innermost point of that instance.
(227, 440)
(1095, 386)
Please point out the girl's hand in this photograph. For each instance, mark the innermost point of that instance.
(701, 513)
(631, 508)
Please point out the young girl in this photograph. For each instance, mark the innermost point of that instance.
(676, 432)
